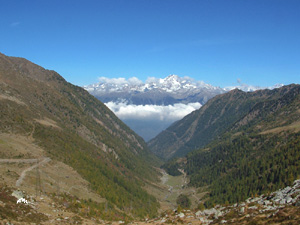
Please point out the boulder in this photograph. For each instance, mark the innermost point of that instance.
(18, 194)
(210, 211)
(199, 213)
(242, 210)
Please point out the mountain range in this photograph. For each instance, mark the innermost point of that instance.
(167, 91)
(160, 91)
(158, 102)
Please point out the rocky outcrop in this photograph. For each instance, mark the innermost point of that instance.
(281, 205)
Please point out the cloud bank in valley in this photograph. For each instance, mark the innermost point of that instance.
(152, 112)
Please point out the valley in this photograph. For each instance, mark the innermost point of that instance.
(66, 158)
(48, 185)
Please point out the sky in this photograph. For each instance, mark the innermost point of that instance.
(217, 41)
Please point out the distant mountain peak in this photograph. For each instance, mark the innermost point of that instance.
(131, 96)
(249, 88)
(173, 89)
(159, 100)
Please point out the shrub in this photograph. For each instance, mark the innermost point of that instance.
(183, 201)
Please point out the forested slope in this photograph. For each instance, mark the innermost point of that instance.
(209, 122)
(258, 154)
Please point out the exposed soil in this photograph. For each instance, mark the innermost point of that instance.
(25, 167)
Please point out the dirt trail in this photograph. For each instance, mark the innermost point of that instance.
(18, 160)
(23, 174)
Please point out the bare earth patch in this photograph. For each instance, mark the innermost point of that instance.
(295, 127)
(19, 154)
(11, 98)
(47, 122)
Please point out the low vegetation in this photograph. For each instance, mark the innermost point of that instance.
(183, 201)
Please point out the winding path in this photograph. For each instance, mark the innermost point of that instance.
(23, 174)
(18, 160)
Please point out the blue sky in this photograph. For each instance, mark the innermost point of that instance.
(256, 41)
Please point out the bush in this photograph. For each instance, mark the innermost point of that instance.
(201, 206)
(183, 201)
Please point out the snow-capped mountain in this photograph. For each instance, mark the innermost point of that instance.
(150, 107)
(157, 91)
(250, 88)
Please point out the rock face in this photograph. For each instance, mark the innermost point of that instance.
(288, 195)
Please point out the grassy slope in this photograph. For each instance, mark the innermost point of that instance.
(88, 136)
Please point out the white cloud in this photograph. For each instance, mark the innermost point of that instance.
(134, 81)
(246, 87)
(120, 80)
(152, 80)
(150, 112)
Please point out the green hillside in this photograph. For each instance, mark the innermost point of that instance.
(257, 154)
(209, 122)
(77, 129)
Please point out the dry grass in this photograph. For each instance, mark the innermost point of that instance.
(295, 127)
(44, 180)
(47, 122)
(11, 98)
(170, 188)
(54, 176)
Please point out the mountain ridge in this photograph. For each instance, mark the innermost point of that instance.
(203, 125)
(258, 154)
(156, 101)
(170, 90)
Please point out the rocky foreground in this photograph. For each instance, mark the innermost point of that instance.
(280, 207)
